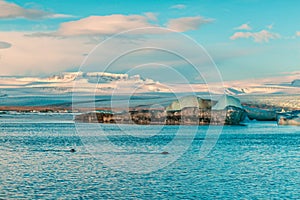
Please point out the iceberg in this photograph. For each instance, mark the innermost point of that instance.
(189, 102)
(226, 101)
(188, 110)
(261, 115)
(296, 83)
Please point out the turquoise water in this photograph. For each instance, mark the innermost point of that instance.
(257, 161)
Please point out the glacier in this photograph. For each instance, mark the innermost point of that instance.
(58, 89)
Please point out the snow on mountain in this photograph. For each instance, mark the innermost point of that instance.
(264, 89)
(65, 77)
(103, 77)
(279, 92)
(270, 85)
(98, 82)
(104, 82)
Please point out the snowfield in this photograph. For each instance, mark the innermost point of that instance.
(277, 91)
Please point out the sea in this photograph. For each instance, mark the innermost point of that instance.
(259, 160)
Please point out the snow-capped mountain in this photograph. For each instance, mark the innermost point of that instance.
(58, 89)
(263, 89)
(87, 82)
(106, 83)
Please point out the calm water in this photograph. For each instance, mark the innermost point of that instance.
(258, 161)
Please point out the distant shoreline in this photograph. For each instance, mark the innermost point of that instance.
(54, 109)
(34, 108)
(69, 109)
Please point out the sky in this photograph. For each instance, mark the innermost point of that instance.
(245, 39)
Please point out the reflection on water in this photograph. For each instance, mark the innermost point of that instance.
(260, 160)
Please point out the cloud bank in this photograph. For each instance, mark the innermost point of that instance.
(187, 23)
(38, 55)
(104, 25)
(65, 48)
(261, 36)
(114, 24)
(11, 10)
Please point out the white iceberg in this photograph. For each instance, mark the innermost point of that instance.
(226, 101)
(296, 83)
(188, 102)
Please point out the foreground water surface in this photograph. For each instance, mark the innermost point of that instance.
(257, 161)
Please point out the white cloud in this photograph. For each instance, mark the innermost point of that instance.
(48, 52)
(244, 27)
(178, 6)
(4, 45)
(298, 33)
(36, 55)
(104, 25)
(12, 10)
(44, 55)
(113, 24)
(261, 36)
(187, 23)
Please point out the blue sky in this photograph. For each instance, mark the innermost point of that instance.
(247, 39)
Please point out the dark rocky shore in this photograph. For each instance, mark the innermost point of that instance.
(192, 110)
(187, 116)
(189, 110)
